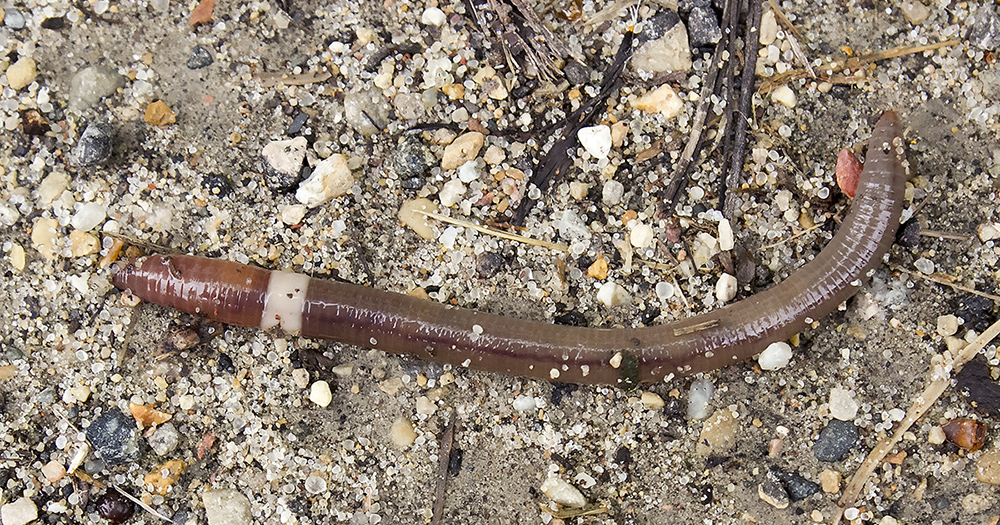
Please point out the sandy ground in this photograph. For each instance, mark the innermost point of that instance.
(64, 326)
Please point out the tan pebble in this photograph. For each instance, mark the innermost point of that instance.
(816, 516)
(662, 100)
(975, 503)
(53, 471)
(652, 400)
(165, 475)
(598, 269)
(292, 215)
(344, 370)
(320, 393)
(21, 73)
(988, 467)
(463, 149)
(454, 91)
(391, 386)
(914, 11)
(159, 114)
(82, 243)
(425, 406)
(784, 96)
(330, 178)
(988, 231)
(768, 28)
(300, 376)
(52, 187)
(619, 130)
(447, 378)
(409, 214)
(830, 481)
(494, 155)
(888, 520)
(936, 435)
(718, 435)
(947, 325)
(401, 433)
(148, 416)
(44, 233)
(772, 493)
(578, 190)
(16, 257)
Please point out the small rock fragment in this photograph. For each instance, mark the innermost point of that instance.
(114, 437)
(401, 433)
(412, 159)
(114, 507)
(699, 396)
(652, 400)
(784, 96)
(463, 149)
(988, 467)
(976, 503)
(283, 162)
(947, 325)
(366, 111)
(988, 231)
(726, 287)
(842, 405)
(164, 476)
(775, 356)
(830, 481)
(641, 235)
(662, 100)
(315, 484)
(202, 13)
(164, 440)
(835, 441)
(92, 84)
(703, 28)
(19, 512)
(726, 240)
(94, 146)
(798, 487)
(612, 192)
(433, 16)
(200, 57)
(148, 416)
(451, 193)
(409, 214)
(924, 265)
(21, 73)
(667, 48)
(320, 393)
(159, 114)
(596, 140)
(718, 435)
(292, 214)
(848, 172)
(562, 492)
(613, 294)
(17, 257)
(772, 493)
(226, 507)
(53, 471)
(984, 31)
(331, 178)
(914, 11)
(44, 233)
(524, 403)
(578, 190)
(768, 28)
(409, 106)
(89, 216)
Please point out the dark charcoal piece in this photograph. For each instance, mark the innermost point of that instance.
(835, 441)
(974, 382)
(909, 234)
(114, 437)
(976, 311)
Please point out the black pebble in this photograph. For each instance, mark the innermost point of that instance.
(113, 435)
(455, 461)
(835, 441)
(200, 57)
(976, 311)
(55, 23)
(703, 27)
(488, 264)
(798, 487)
(576, 73)
(225, 364)
(94, 146)
(297, 123)
(909, 234)
(217, 184)
(658, 25)
(412, 160)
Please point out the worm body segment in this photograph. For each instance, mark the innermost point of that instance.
(248, 296)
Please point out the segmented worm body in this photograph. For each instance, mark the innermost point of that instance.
(297, 304)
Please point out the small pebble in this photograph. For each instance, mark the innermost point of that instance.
(401, 433)
(300, 376)
(412, 159)
(775, 356)
(668, 48)
(226, 507)
(835, 441)
(725, 290)
(91, 84)
(315, 484)
(8, 214)
(699, 396)
(293, 214)
(830, 481)
(924, 265)
(21, 73)
(114, 507)
(612, 192)
(965, 433)
(82, 243)
(662, 100)
(418, 222)
(768, 28)
(988, 467)
(975, 503)
(159, 114)
(366, 111)
(200, 57)
(524, 403)
(19, 512)
(798, 487)
(451, 193)
(703, 27)
(772, 493)
(596, 140)
(13, 18)
(578, 190)
(652, 400)
(17, 257)
(165, 439)
(726, 240)
(89, 216)
(784, 96)
(330, 178)
(914, 11)
(114, 437)
(320, 393)
(53, 471)
(935, 436)
(283, 162)
(94, 146)
(613, 294)
(44, 235)
(947, 325)
(641, 235)
(718, 435)
(848, 172)
(984, 31)
(562, 492)
(988, 231)
(433, 16)
(842, 405)
(463, 149)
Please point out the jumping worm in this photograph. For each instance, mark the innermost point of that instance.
(297, 304)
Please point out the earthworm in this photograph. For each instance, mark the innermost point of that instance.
(297, 304)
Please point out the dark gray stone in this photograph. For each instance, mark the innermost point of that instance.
(114, 437)
(412, 160)
(835, 441)
(703, 27)
(94, 146)
(200, 57)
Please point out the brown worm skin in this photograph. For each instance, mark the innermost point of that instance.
(235, 293)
